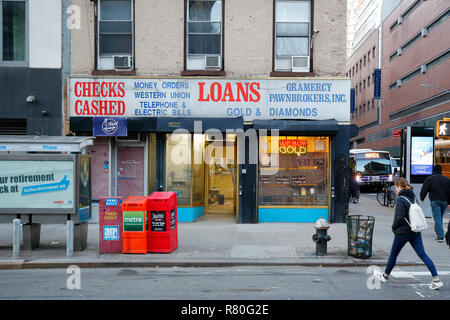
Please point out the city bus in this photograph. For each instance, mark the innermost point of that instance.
(371, 168)
(442, 155)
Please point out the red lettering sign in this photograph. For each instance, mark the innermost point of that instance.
(292, 143)
(229, 92)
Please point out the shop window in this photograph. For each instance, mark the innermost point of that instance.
(204, 35)
(13, 33)
(115, 35)
(185, 168)
(302, 175)
(292, 36)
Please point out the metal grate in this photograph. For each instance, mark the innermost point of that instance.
(13, 126)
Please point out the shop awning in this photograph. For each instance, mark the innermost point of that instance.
(44, 143)
(315, 128)
(165, 125)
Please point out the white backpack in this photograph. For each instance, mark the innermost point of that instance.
(417, 220)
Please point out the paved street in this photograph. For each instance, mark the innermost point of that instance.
(234, 283)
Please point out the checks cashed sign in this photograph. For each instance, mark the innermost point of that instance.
(251, 98)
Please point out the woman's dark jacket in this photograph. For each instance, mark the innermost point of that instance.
(402, 211)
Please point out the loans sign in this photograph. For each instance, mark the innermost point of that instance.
(36, 184)
(251, 98)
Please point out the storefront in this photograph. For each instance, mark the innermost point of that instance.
(262, 149)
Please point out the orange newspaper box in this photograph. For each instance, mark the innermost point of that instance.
(135, 225)
(163, 233)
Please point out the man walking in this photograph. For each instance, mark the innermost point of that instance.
(438, 188)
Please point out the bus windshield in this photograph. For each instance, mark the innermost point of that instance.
(373, 166)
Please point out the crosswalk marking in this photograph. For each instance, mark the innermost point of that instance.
(411, 274)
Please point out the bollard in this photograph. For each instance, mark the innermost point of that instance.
(16, 238)
(69, 240)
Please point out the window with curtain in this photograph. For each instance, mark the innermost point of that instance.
(292, 35)
(13, 31)
(115, 29)
(204, 34)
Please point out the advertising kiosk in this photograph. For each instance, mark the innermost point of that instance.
(46, 180)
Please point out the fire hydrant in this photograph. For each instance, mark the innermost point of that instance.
(321, 237)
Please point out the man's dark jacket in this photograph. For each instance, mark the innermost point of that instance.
(438, 186)
(402, 211)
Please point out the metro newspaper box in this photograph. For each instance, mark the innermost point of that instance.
(110, 225)
(163, 233)
(135, 225)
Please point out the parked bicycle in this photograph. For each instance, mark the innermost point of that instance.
(386, 197)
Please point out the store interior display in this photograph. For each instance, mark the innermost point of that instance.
(302, 175)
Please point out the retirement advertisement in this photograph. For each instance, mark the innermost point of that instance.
(36, 184)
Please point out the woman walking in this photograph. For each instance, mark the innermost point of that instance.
(403, 234)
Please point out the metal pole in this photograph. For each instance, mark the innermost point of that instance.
(16, 238)
(69, 241)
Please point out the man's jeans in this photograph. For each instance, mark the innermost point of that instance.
(438, 208)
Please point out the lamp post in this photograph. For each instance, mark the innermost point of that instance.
(433, 86)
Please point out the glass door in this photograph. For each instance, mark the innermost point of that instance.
(130, 171)
(220, 174)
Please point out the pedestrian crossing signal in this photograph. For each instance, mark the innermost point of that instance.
(443, 128)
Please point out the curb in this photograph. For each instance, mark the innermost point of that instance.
(11, 265)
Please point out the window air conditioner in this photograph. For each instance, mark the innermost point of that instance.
(122, 62)
(423, 68)
(300, 64)
(424, 32)
(399, 51)
(399, 83)
(212, 61)
(399, 20)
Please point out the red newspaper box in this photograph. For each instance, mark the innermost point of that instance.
(110, 225)
(163, 233)
(135, 225)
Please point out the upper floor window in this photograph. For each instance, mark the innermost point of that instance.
(373, 52)
(115, 35)
(13, 36)
(204, 35)
(292, 35)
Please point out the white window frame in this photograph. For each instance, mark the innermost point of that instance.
(100, 56)
(25, 62)
(188, 55)
(276, 56)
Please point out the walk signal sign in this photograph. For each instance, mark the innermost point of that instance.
(443, 128)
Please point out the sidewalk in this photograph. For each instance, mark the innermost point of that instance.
(216, 240)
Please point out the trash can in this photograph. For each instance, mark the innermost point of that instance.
(360, 235)
(110, 225)
(135, 225)
(163, 233)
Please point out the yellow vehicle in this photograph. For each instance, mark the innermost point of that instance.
(442, 155)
